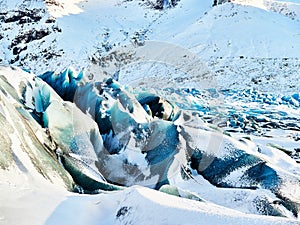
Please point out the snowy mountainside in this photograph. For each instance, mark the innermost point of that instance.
(290, 9)
(81, 33)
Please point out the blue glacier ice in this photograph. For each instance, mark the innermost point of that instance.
(41, 96)
(108, 136)
(64, 83)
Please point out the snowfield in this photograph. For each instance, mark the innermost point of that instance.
(199, 125)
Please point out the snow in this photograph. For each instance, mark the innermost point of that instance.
(63, 8)
(136, 205)
(287, 8)
(238, 45)
(219, 36)
(22, 197)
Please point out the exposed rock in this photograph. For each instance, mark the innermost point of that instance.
(162, 4)
(29, 36)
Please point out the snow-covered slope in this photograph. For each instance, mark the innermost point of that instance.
(241, 36)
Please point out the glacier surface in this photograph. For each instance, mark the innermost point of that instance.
(108, 137)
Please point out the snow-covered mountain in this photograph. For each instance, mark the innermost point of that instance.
(246, 37)
(200, 123)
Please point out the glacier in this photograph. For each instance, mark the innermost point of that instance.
(172, 138)
(103, 136)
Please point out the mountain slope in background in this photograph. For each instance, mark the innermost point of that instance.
(248, 37)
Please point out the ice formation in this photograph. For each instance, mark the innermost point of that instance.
(108, 136)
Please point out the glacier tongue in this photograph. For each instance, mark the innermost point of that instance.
(108, 136)
(149, 141)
